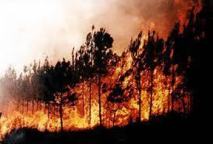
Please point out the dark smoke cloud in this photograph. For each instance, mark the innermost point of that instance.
(125, 18)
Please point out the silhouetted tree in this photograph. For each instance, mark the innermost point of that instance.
(134, 48)
(169, 66)
(152, 57)
(102, 44)
(88, 60)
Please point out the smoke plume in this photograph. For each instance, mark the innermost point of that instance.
(34, 29)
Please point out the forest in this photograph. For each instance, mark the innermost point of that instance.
(96, 87)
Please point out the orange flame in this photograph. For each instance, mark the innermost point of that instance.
(77, 117)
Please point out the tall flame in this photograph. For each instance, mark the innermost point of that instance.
(35, 115)
(85, 113)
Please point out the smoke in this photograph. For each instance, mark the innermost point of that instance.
(127, 17)
(33, 29)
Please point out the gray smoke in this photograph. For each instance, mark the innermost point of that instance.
(34, 29)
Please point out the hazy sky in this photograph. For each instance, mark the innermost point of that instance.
(33, 29)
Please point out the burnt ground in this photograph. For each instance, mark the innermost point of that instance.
(169, 128)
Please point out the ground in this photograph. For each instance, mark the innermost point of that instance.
(168, 128)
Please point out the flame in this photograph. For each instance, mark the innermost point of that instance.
(183, 10)
(77, 117)
(38, 115)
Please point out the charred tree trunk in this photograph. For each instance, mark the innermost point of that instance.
(32, 106)
(169, 98)
(114, 118)
(37, 104)
(48, 110)
(184, 106)
(22, 106)
(90, 102)
(18, 105)
(99, 98)
(172, 86)
(138, 80)
(151, 92)
(61, 111)
(27, 106)
(140, 108)
(83, 103)
(55, 108)
(189, 108)
(114, 115)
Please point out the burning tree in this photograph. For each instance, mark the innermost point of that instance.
(151, 59)
(101, 43)
(146, 80)
(134, 49)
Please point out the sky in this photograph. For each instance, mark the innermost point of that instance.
(33, 29)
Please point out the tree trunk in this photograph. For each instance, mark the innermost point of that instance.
(139, 105)
(18, 105)
(169, 99)
(114, 115)
(114, 118)
(90, 102)
(138, 81)
(184, 106)
(48, 110)
(27, 105)
(61, 112)
(32, 106)
(55, 110)
(37, 104)
(189, 108)
(99, 98)
(83, 103)
(22, 106)
(172, 86)
(151, 93)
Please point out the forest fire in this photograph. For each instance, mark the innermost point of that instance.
(97, 87)
(123, 92)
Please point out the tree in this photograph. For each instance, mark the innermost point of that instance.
(137, 62)
(152, 57)
(117, 97)
(54, 84)
(8, 85)
(59, 87)
(102, 44)
(168, 68)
